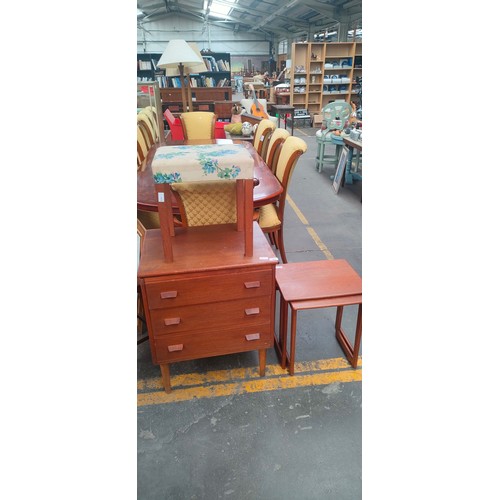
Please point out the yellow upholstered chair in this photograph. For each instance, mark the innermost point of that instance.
(198, 125)
(146, 116)
(262, 136)
(144, 142)
(142, 335)
(213, 185)
(271, 216)
(277, 139)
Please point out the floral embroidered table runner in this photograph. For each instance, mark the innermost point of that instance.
(205, 162)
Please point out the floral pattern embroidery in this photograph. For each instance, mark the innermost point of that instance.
(161, 178)
(205, 155)
(210, 165)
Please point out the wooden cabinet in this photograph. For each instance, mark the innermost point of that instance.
(324, 72)
(211, 300)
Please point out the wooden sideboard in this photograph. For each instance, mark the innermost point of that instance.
(211, 300)
(170, 94)
(215, 99)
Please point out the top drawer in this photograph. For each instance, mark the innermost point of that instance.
(185, 291)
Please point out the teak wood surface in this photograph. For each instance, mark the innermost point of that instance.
(211, 299)
(313, 285)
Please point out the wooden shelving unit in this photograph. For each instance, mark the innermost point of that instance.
(218, 72)
(147, 70)
(324, 72)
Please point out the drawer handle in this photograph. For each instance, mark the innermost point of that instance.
(172, 321)
(251, 311)
(253, 336)
(171, 294)
(252, 284)
(176, 347)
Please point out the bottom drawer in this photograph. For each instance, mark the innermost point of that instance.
(184, 346)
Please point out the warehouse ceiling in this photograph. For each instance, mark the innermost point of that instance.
(273, 18)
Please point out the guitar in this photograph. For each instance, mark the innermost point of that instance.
(256, 108)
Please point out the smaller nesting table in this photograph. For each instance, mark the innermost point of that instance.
(313, 285)
(282, 110)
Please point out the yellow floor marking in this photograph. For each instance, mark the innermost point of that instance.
(310, 230)
(218, 376)
(249, 386)
(296, 209)
(319, 243)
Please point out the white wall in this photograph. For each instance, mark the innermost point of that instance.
(156, 34)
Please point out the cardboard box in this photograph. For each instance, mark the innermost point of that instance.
(317, 120)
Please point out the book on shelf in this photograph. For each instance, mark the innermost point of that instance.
(222, 65)
(144, 65)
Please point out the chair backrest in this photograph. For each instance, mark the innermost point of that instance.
(144, 142)
(206, 203)
(336, 115)
(290, 151)
(146, 115)
(277, 138)
(262, 136)
(198, 125)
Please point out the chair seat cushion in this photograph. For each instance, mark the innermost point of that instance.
(328, 136)
(268, 217)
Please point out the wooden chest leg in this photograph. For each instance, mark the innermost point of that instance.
(262, 362)
(165, 377)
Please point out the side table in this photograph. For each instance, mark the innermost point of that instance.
(313, 285)
(282, 110)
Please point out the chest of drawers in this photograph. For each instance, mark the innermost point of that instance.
(211, 300)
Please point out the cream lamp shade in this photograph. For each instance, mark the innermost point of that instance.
(189, 68)
(178, 52)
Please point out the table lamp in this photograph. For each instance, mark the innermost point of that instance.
(185, 58)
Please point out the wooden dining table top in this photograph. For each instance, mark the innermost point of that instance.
(266, 191)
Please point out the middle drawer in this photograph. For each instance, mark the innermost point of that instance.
(211, 316)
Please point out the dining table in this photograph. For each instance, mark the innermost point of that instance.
(267, 188)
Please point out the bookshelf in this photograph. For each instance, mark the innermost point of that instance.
(218, 72)
(147, 70)
(323, 72)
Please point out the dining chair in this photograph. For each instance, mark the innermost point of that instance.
(198, 124)
(212, 185)
(271, 216)
(144, 143)
(277, 138)
(146, 117)
(262, 136)
(142, 334)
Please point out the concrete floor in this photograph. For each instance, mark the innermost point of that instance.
(301, 437)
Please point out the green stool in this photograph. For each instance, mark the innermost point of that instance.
(323, 139)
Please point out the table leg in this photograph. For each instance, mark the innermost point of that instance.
(348, 174)
(350, 351)
(165, 377)
(283, 330)
(293, 328)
